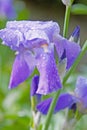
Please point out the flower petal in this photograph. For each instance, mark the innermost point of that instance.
(65, 100)
(20, 71)
(12, 38)
(75, 37)
(48, 28)
(7, 9)
(43, 106)
(81, 87)
(34, 85)
(49, 77)
(70, 49)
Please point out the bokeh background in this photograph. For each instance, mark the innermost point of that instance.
(15, 111)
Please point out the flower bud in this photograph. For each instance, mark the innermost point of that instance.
(66, 2)
(75, 37)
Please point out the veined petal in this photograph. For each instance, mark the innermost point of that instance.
(20, 71)
(65, 100)
(49, 78)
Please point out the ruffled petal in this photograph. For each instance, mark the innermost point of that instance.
(65, 100)
(48, 29)
(49, 77)
(20, 71)
(11, 38)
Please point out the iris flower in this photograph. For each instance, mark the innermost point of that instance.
(7, 9)
(77, 101)
(34, 43)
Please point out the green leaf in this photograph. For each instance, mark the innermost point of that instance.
(79, 9)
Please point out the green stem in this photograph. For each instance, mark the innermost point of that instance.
(33, 102)
(50, 112)
(66, 21)
(84, 49)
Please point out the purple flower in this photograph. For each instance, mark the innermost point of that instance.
(76, 101)
(34, 43)
(7, 9)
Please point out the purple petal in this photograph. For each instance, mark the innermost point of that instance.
(75, 37)
(64, 101)
(84, 102)
(43, 107)
(49, 78)
(47, 28)
(20, 71)
(34, 85)
(12, 38)
(7, 9)
(72, 50)
(81, 87)
(34, 34)
(29, 34)
(35, 43)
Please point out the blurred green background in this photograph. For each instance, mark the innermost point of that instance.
(15, 111)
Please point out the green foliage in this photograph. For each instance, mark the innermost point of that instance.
(79, 9)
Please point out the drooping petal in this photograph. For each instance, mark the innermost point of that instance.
(65, 100)
(71, 50)
(81, 87)
(49, 78)
(20, 71)
(34, 85)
